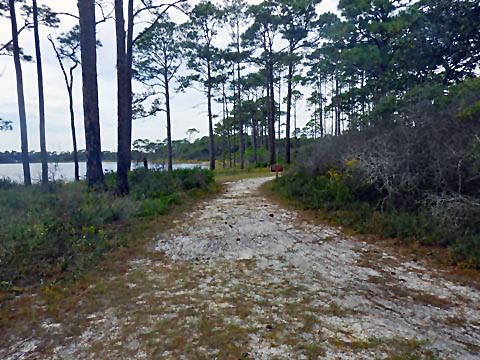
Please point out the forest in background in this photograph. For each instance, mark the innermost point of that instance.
(393, 141)
(352, 68)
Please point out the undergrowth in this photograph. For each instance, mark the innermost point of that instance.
(411, 171)
(55, 232)
(347, 203)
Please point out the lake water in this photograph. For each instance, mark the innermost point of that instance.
(65, 171)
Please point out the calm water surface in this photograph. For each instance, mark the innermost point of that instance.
(64, 171)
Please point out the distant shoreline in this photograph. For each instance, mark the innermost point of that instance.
(200, 162)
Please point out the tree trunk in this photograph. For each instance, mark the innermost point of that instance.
(169, 124)
(332, 112)
(123, 162)
(230, 160)
(234, 148)
(241, 131)
(255, 141)
(338, 125)
(69, 86)
(239, 100)
(289, 112)
(320, 106)
(224, 130)
(88, 45)
(74, 133)
(41, 96)
(21, 96)
(279, 108)
(129, 75)
(266, 124)
(271, 120)
(295, 126)
(211, 147)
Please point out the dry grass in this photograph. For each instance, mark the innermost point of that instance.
(230, 175)
(86, 294)
(395, 349)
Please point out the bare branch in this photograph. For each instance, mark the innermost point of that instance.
(165, 7)
(59, 58)
(9, 43)
(105, 16)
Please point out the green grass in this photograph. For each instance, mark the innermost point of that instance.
(52, 233)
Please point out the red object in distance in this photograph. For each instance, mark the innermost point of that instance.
(276, 168)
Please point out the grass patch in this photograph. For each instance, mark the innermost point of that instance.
(216, 333)
(223, 175)
(395, 348)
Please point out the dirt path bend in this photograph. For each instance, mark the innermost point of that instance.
(242, 278)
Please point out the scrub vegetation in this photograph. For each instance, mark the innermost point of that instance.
(49, 234)
(413, 176)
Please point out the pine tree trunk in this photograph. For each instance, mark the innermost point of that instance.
(169, 123)
(123, 162)
(266, 124)
(130, 26)
(279, 130)
(41, 96)
(333, 108)
(241, 130)
(239, 99)
(69, 86)
(88, 45)
(320, 104)
(271, 120)
(74, 133)
(255, 141)
(211, 147)
(295, 126)
(289, 112)
(230, 160)
(338, 125)
(234, 147)
(21, 96)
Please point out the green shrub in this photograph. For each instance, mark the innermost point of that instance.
(410, 169)
(329, 190)
(157, 206)
(6, 183)
(156, 184)
(49, 233)
(333, 194)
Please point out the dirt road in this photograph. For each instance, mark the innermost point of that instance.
(242, 278)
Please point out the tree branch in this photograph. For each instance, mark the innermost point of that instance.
(158, 17)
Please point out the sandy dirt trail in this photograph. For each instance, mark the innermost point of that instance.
(242, 278)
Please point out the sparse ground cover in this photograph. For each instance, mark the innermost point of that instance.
(243, 278)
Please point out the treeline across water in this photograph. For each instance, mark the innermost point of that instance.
(157, 151)
(13, 157)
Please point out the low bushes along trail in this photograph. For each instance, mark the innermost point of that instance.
(242, 278)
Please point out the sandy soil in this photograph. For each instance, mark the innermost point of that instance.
(242, 278)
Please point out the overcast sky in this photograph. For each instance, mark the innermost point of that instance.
(188, 109)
